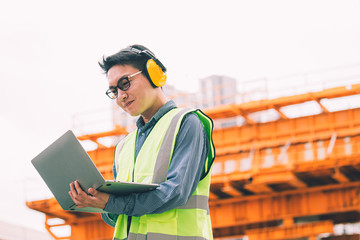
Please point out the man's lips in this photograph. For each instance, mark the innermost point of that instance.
(128, 103)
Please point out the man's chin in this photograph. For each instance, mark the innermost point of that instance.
(133, 114)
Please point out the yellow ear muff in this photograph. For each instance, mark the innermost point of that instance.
(157, 76)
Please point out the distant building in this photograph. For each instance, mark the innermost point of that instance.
(217, 90)
(181, 98)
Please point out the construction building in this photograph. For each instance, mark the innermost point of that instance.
(217, 90)
(283, 176)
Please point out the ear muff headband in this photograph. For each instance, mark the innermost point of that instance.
(154, 68)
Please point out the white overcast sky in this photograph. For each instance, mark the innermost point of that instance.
(49, 52)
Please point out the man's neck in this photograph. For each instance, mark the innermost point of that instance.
(147, 115)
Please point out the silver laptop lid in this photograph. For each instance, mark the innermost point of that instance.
(63, 162)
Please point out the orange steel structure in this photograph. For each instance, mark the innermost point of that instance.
(292, 178)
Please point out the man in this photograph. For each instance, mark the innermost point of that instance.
(172, 147)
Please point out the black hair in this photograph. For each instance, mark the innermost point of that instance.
(126, 57)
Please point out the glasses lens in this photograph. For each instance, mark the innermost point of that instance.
(111, 93)
(124, 84)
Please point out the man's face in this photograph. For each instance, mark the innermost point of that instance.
(140, 96)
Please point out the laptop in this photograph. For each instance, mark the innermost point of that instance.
(65, 161)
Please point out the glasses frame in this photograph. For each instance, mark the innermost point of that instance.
(128, 79)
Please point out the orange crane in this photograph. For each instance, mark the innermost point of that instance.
(291, 178)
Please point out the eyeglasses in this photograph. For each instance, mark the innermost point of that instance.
(123, 84)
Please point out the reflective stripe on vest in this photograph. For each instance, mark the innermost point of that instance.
(158, 236)
(190, 221)
(197, 201)
(163, 159)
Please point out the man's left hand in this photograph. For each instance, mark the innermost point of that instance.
(97, 199)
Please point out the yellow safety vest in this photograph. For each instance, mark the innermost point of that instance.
(188, 222)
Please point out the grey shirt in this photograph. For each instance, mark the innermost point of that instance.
(189, 155)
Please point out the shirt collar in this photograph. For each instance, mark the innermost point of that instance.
(161, 112)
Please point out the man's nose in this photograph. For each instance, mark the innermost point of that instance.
(122, 95)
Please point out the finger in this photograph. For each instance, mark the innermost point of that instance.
(72, 189)
(93, 191)
(70, 193)
(78, 188)
(76, 194)
(73, 198)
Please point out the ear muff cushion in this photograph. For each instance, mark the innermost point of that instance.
(156, 74)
